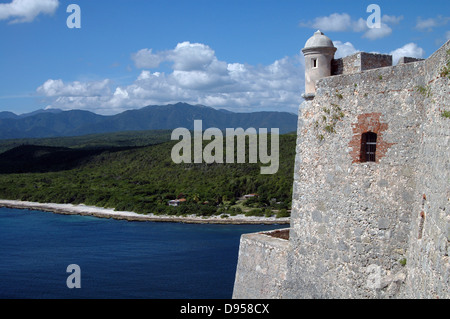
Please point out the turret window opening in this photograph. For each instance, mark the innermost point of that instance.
(314, 63)
(368, 147)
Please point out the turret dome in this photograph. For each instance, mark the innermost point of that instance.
(319, 52)
(319, 40)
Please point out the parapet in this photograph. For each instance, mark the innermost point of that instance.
(262, 265)
(360, 61)
(406, 59)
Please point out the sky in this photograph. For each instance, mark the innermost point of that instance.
(239, 55)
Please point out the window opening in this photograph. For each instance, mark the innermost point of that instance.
(368, 147)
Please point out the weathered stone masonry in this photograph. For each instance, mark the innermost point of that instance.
(364, 229)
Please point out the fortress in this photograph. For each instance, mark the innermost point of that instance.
(370, 209)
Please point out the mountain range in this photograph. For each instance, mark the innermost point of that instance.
(58, 123)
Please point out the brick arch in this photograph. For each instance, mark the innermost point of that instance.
(368, 122)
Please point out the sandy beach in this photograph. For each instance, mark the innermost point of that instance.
(70, 209)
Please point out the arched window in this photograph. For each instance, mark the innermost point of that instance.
(368, 147)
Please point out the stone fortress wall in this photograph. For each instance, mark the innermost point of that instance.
(360, 229)
(360, 61)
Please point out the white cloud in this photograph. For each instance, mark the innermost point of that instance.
(359, 26)
(391, 19)
(344, 49)
(426, 24)
(191, 56)
(197, 77)
(26, 10)
(200, 80)
(408, 50)
(146, 59)
(52, 88)
(430, 23)
(333, 22)
(196, 67)
(185, 56)
(377, 33)
(340, 22)
(144, 75)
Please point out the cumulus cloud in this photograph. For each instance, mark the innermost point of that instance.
(430, 23)
(191, 56)
(344, 49)
(378, 33)
(194, 65)
(340, 22)
(53, 88)
(409, 50)
(196, 77)
(185, 56)
(19, 11)
(391, 19)
(146, 59)
(334, 22)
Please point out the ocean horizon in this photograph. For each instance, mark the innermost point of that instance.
(118, 259)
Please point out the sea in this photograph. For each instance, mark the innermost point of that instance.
(115, 259)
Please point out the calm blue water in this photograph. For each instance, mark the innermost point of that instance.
(118, 259)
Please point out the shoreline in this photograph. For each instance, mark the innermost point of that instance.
(84, 210)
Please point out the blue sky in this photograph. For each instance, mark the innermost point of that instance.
(238, 55)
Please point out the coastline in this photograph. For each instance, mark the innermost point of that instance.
(84, 210)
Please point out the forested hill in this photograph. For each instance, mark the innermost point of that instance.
(57, 123)
(93, 141)
(141, 178)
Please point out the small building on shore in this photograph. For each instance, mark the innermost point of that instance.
(176, 202)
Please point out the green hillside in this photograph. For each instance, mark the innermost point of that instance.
(102, 140)
(144, 179)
